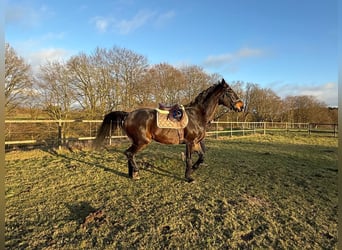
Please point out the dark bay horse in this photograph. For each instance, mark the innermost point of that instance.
(141, 126)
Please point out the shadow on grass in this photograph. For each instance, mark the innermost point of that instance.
(92, 164)
(79, 211)
(145, 157)
(146, 166)
(142, 164)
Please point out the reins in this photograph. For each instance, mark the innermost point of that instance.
(220, 115)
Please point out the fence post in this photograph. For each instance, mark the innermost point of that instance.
(110, 133)
(264, 128)
(309, 128)
(216, 130)
(59, 135)
(335, 129)
(90, 127)
(286, 129)
(231, 129)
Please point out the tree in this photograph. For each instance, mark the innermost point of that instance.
(166, 83)
(305, 109)
(92, 81)
(107, 79)
(196, 80)
(108, 90)
(265, 105)
(84, 83)
(128, 70)
(18, 79)
(58, 94)
(333, 114)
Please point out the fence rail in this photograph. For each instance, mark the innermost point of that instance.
(61, 132)
(246, 128)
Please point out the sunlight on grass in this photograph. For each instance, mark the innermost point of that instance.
(262, 191)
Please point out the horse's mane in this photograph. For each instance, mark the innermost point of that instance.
(204, 95)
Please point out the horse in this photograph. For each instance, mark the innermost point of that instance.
(140, 126)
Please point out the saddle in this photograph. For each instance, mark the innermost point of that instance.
(175, 112)
(173, 117)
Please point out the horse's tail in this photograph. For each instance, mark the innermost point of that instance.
(111, 122)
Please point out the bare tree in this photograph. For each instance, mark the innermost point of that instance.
(108, 90)
(107, 79)
(56, 90)
(166, 83)
(196, 80)
(265, 104)
(18, 79)
(305, 109)
(247, 97)
(128, 70)
(83, 82)
(333, 114)
(92, 81)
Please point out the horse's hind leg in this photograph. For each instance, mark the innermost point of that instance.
(132, 165)
(133, 169)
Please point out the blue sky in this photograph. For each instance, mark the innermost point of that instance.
(289, 46)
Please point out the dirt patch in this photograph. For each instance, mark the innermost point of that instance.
(96, 218)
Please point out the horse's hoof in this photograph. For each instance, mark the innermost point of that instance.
(190, 180)
(135, 176)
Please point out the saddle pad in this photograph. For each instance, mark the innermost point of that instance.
(164, 122)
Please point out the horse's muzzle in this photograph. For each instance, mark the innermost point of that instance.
(238, 106)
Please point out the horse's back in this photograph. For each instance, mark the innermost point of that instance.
(140, 116)
(138, 122)
(141, 124)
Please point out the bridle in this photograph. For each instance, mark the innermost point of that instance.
(233, 101)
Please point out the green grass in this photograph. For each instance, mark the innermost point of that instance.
(260, 192)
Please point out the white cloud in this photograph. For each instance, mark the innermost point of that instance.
(35, 51)
(164, 17)
(325, 92)
(126, 26)
(40, 57)
(101, 23)
(224, 60)
(218, 60)
(248, 52)
(37, 42)
(25, 15)
(141, 18)
(52, 36)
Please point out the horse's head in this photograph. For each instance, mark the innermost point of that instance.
(230, 99)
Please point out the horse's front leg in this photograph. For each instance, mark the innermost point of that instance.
(200, 149)
(199, 161)
(188, 161)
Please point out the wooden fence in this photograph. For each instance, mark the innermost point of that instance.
(247, 128)
(60, 132)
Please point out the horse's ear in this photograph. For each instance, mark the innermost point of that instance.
(223, 83)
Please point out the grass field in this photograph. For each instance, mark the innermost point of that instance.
(257, 192)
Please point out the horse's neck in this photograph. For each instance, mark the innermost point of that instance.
(207, 108)
(210, 111)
